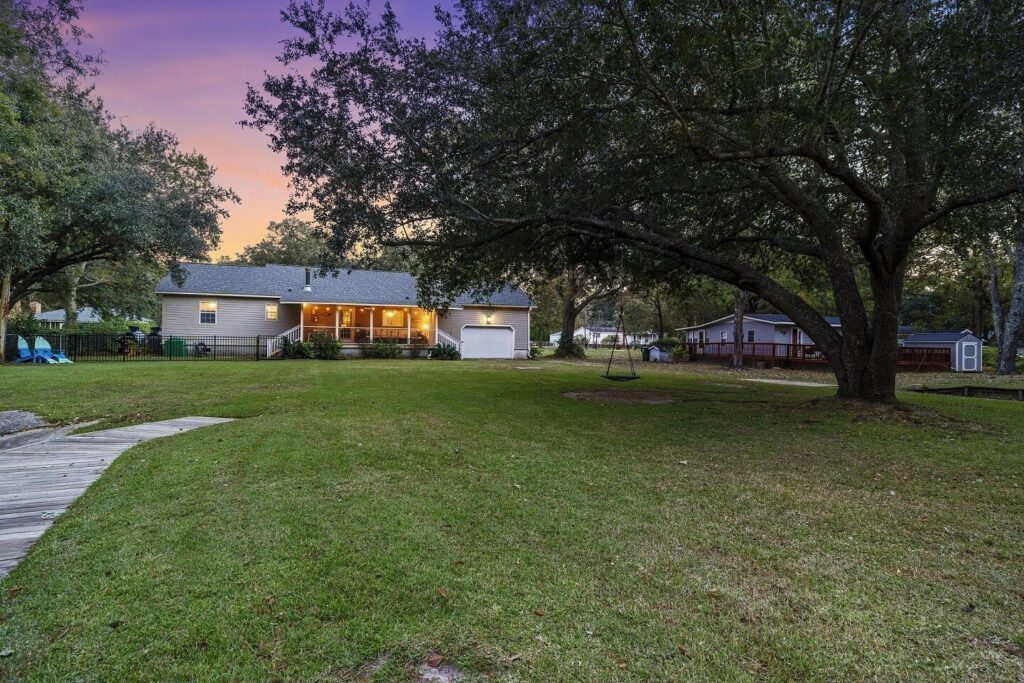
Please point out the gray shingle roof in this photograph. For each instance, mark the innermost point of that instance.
(86, 314)
(936, 337)
(781, 319)
(772, 318)
(287, 284)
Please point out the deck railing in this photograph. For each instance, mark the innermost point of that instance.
(758, 351)
(925, 358)
(917, 358)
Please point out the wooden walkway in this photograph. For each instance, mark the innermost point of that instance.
(39, 480)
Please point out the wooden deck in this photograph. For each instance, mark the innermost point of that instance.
(39, 480)
(786, 355)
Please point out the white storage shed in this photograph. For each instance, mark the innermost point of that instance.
(964, 347)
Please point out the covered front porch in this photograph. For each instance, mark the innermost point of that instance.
(352, 324)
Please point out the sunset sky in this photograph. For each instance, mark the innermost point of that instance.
(184, 66)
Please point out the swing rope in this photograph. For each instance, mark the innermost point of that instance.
(632, 370)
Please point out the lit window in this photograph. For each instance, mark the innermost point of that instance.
(208, 312)
(271, 312)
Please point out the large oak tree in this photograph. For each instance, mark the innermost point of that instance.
(835, 133)
(75, 188)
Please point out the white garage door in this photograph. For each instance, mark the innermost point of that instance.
(487, 342)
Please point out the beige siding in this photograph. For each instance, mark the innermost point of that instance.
(236, 316)
(517, 318)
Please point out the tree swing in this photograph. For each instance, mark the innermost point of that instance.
(632, 370)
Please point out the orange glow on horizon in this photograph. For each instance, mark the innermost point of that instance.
(185, 66)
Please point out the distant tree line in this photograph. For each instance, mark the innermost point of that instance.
(298, 242)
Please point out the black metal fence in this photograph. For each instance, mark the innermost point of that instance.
(126, 347)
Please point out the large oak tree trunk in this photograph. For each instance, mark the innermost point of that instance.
(576, 295)
(866, 365)
(71, 307)
(566, 343)
(738, 310)
(1010, 324)
(868, 371)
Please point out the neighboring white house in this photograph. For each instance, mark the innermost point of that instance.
(773, 328)
(642, 338)
(775, 337)
(87, 315)
(355, 307)
(606, 335)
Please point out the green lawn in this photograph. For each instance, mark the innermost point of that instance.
(904, 380)
(365, 514)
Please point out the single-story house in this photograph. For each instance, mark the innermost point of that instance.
(87, 315)
(964, 347)
(356, 307)
(57, 318)
(774, 328)
(775, 338)
(605, 335)
(592, 335)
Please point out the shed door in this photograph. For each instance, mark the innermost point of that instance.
(487, 342)
(970, 357)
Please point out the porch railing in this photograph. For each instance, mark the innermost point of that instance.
(807, 353)
(445, 338)
(275, 344)
(367, 335)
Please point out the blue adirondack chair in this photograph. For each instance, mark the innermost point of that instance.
(24, 354)
(44, 353)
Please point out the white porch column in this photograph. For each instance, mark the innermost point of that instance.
(337, 312)
(408, 326)
(302, 320)
(371, 324)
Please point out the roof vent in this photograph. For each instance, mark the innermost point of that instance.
(307, 287)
